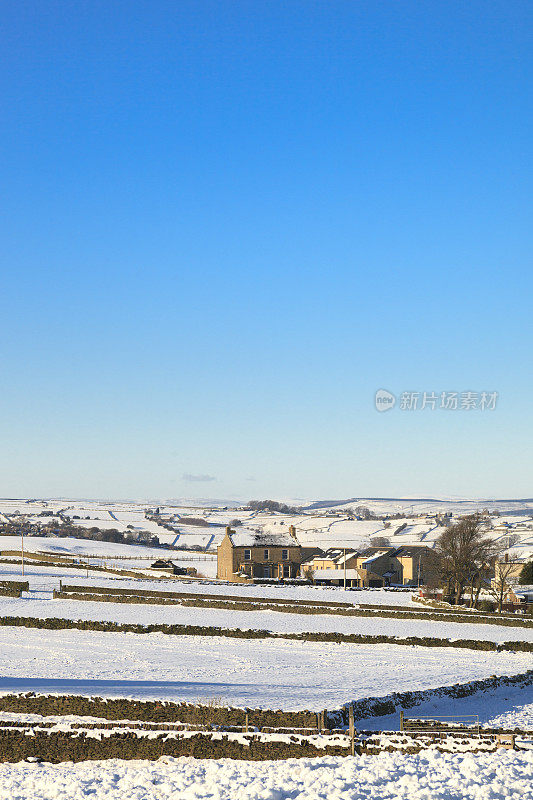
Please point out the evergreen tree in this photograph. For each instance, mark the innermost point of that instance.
(526, 576)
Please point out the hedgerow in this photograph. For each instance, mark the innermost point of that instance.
(57, 623)
(234, 603)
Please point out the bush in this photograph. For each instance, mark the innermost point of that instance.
(487, 605)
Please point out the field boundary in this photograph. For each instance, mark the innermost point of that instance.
(214, 714)
(236, 602)
(59, 623)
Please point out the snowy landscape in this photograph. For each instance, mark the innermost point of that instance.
(269, 673)
(266, 505)
(427, 776)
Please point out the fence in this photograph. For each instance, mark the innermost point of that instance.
(464, 725)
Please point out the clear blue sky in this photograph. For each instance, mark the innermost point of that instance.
(225, 225)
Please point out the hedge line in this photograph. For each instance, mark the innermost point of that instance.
(195, 601)
(21, 586)
(153, 711)
(55, 747)
(9, 592)
(211, 715)
(13, 588)
(56, 623)
(239, 604)
(178, 595)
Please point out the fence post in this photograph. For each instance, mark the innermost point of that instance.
(401, 721)
(325, 719)
(246, 722)
(319, 721)
(351, 729)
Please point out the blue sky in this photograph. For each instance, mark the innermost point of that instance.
(225, 225)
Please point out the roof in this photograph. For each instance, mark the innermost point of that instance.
(375, 556)
(522, 591)
(412, 550)
(246, 537)
(334, 554)
(371, 551)
(349, 554)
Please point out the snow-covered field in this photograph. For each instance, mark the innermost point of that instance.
(325, 525)
(389, 776)
(506, 706)
(50, 576)
(103, 554)
(243, 672)
(258, 672)
(69, 546)
(277, 622)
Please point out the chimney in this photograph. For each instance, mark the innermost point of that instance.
(292, 531)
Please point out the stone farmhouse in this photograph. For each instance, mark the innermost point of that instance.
(508, 570)
(245, 554)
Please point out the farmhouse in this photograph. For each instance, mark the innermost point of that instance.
(508, 570)
(246, 554)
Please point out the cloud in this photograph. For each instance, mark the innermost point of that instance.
(197, 478)
(251, 479)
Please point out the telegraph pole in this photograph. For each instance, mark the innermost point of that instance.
(344, 569)
(22, 548)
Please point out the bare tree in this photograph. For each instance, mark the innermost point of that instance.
(512, 540)
(464, 553)
(504, 570)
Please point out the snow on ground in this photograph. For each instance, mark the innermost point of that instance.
(207, 566)
(243, 672)
(518, 715)
(70, 546)
(278, 622)
(428, 775)
(505, 706)
(327, 525)
(110, 554)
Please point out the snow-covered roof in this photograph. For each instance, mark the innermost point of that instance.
(375, 556)
(245, 537)
(523, 591)
(342, 558)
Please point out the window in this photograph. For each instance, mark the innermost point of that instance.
(285, 555)
(265, 555)
(247, 555)
(266, 572)
(286, 570)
